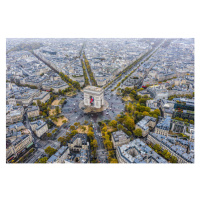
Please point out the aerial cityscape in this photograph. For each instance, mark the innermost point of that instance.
(100, 100)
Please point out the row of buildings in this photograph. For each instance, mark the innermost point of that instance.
(76, 151)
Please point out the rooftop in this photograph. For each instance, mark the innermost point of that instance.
(93, 88)
(138, 152)
(164, 123)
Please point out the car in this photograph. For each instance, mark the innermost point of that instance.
(106, 113)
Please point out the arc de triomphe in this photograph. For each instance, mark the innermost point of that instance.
(93, 96)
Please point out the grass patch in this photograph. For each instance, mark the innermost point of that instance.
(127, 98)
(70, 94)
(80, 130)
(110, 129)
(55, 102)
(53, 112)
(60, 121)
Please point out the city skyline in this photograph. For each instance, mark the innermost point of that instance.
(146, 90)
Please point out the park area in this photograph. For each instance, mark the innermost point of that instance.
(83, 130)
(110, 129)
(60, 121)
(53, 112)
(55, 102)
(70, 94)
(127, 98)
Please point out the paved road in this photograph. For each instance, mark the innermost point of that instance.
(72, 111)
(114, 84)
(87, 72)
(27, 125)
(34, 157)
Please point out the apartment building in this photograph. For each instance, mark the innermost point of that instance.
(43, 97)
(16, 147)
(137, 151)
(163, 127)
(181, 149)
(119, 138)
(146, 124)
(33, 111)
(39, 127)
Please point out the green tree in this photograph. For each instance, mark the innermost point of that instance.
(138, 132)
(43, 160)
(191, 122)
(164, 152)
(49, 134)
(157, 147)
(64, 121)
(157, 112)
(113, 123)
(61, 139)
(50, 151)
(76, 124)
(145, 113)
(83, 128)
(74, 132)
(38, 102)
(72, 128)
(173, 159)
(113, 160)
(129, 123)
(119, 127)
(57, 110)
(94, 143)
(104, 129)
(167, 155)
(90, 134)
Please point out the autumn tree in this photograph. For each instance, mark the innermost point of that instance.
(94, 143)
(167, 155)
(113, 123)
(49, 134)
(191, 122)
(113, 160)
(90, 134)
(119, 127)
(76, 124)
(157, 147)
(173, 159)
(64, 121)
(43, 160)
(50, 150)
(57, 110)
(74, 132)
(72, 128)
(129, 123)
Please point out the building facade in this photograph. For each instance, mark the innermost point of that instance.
(33, 111)
(119, 138)
(145, 124)
(43, 97)
(39, 127)
(19, 145)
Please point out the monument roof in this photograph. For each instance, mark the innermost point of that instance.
(93, 88)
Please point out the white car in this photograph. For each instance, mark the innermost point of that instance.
(106, 113)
